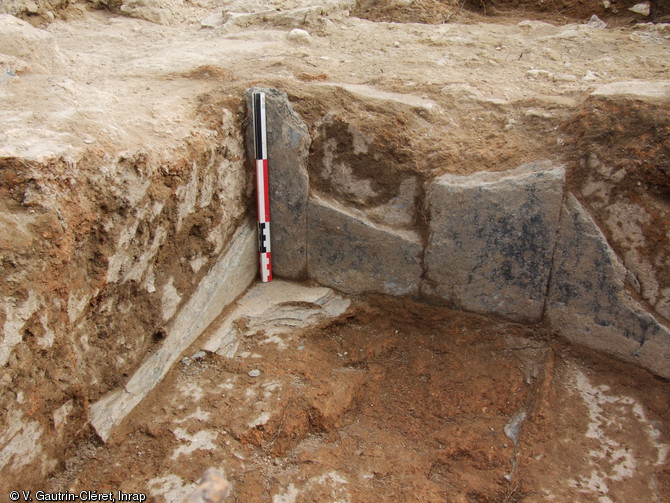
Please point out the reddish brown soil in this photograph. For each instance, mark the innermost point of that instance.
(404, 402)
(395, 401)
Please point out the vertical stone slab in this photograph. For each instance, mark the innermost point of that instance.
(491, 239)
(588, 302)
(354, 255)
(288, 148)
(229, 277)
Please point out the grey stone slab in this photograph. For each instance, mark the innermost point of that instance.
(491, 239)
(588, 302)
(228, 278)
(288, 149)
(354, 255)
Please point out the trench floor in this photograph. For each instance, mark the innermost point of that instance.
(394, 401)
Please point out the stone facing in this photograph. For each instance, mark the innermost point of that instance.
(354, 255)
(230, 276)
(491, 239)
(288, 149)
(501, 244)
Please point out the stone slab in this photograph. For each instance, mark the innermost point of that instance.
(640, 89)
(288, 149)
(588, 302)
(354, 255)
(491, 239)
(227, 279)
(273, 309)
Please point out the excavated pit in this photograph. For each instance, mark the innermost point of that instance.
(393, 400)
(469, 223)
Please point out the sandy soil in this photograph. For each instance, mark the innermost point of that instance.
(395, 401)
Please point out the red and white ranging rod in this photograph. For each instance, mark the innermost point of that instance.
(262, 187)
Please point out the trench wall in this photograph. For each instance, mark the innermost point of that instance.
(140, 251)
(516, 244)
(102, 256)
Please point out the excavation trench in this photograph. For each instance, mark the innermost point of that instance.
(471, 301)
(362, 377)
(321, 397)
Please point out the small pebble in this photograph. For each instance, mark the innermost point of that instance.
(643, 8)
(299, 36)
(199, 355)
(254, 373)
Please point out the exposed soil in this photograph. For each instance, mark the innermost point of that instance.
(621, 169)
(444, 11)
(395, 401)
